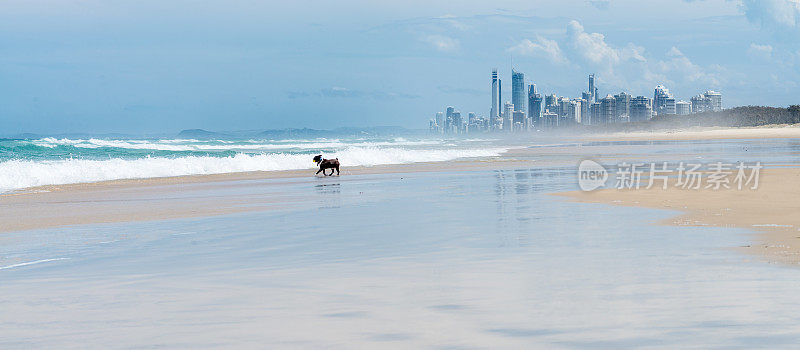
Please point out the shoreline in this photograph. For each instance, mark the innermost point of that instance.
(187, 196)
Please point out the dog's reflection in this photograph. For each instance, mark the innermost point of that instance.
(330, 195)
(329, 188)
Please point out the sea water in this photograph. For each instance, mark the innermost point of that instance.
(56, 161)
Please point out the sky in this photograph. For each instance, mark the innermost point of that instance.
(148, 66)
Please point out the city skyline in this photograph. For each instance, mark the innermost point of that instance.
(529, 114)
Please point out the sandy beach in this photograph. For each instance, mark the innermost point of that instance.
(771, 210)
(706, 133)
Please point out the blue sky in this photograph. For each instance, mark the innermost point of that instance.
(162, 66)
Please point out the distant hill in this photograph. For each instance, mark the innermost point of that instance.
(339, 132)
(296, 133)
(200, 134)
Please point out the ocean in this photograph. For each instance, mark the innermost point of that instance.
(58, 161)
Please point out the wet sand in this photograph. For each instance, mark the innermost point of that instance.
(772, 210)
(184, 196)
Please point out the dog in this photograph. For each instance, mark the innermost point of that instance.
(323, 164)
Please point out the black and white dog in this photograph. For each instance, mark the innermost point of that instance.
(332, 164)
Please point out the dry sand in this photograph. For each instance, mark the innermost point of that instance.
(706, 133)
(772, 210)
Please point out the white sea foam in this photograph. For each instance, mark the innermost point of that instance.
(18, 174)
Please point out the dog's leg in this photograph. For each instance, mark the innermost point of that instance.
(337, 171)
(320, 169)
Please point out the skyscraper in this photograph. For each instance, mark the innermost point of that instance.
(608, 109)
(551, 103)
(641, 109)
(534, 105)
(518, 90)
(448, 122)
(494, 113)
(508, 115)
(594, 113)
(592, 89)
(623, 105)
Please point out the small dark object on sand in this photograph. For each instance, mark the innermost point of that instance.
(332, 164)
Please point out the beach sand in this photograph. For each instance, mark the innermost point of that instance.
(185, 196)
(772, 210)
(705, 133)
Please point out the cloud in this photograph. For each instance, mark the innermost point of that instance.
(452, 21)
(600, 4)
(621, 67)
(757, 51)
(595, 52)
(681, 67)
(773, 14)
(442, 43)
(542, 48)
(342, 92)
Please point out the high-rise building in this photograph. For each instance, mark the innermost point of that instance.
(669, 106)
(439, 122)
(534, 105)
(586, 118)
(715, 100)
(457, 125)
(551, 103)
(448, 122)
(623, 107)
(518, 121)
(572, 113)
(641, 109)
(518, 90)
(699, 104)
(683, 108)
(432, 127)
(508, 116)
(549, 120)
(594, 113)
(494, 113)
(592, 89)
(660, 97)
(608, 109)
